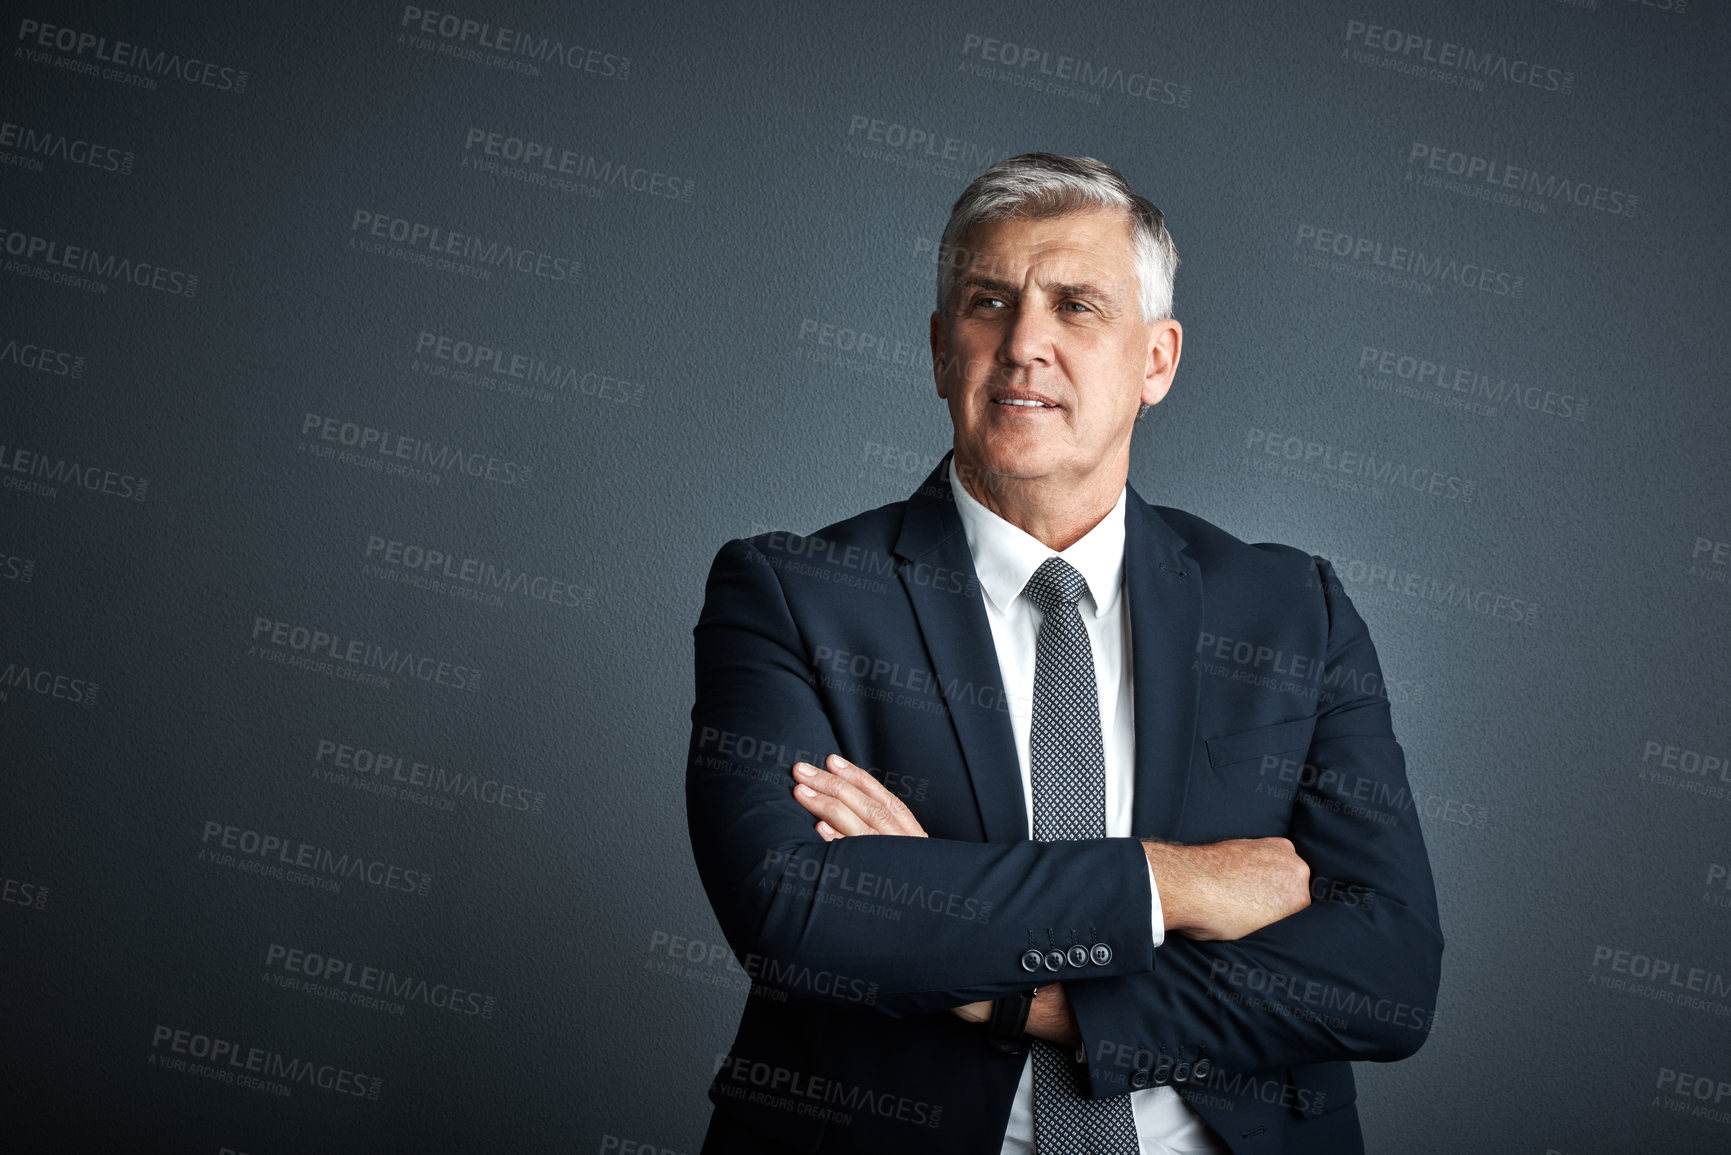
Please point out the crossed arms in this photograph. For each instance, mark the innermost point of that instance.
(1217, 892)
(1240, 907)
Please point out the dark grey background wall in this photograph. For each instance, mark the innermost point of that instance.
(376, 386)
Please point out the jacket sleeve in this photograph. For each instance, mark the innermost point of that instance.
(1339, 980)
(781, 893)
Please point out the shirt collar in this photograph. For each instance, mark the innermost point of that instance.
(1005, 556)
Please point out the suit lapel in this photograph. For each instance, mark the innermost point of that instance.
(1165, 592)
(964, 658)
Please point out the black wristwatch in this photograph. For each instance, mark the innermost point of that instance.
(1009, 1020)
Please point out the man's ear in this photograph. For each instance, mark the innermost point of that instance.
(1165, 343)
(939, 345)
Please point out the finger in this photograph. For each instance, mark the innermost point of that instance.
(861, 808)
(861, 779)
(826, 806)
(830, 833)
(831, 812)
(973, 1012)
(888, 814)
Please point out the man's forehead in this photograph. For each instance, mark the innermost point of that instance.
(1097, 241)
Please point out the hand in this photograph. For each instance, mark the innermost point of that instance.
(975, 1012)
(848, 800)
(1049, 1017)
(1226, 890)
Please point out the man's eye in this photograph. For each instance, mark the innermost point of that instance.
(1078, 306)
(988, 302)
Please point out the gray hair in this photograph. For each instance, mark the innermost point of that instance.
(1043, 184)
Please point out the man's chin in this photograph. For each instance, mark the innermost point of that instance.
(1000, 471)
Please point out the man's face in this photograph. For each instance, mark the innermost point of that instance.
(1043, 355)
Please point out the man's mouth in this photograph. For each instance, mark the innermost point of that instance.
(1020, 403)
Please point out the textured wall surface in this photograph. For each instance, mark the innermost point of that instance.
(377, 383)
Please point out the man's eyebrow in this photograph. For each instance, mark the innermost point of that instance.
(1083, 289)
(990, 284)
(1010, 288)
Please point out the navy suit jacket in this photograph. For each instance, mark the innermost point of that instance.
(1260, 709)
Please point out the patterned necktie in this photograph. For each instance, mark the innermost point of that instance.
(1067, 761)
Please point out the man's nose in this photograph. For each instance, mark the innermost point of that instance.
(1028, 337)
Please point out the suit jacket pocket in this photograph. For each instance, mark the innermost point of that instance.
(1250, 786)
(1282, 738)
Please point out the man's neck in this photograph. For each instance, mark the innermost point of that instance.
(1055, 514)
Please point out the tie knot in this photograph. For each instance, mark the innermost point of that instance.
(1056, 583)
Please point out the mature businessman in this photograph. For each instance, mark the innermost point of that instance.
(1046, 819)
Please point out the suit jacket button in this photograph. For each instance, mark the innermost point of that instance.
(1054, 959)
(1078, 955)
(1031, 960)
(1162, 1074)
(1181, 1073)
(1138, 1079)
(1202, 1070)
(1100, 955)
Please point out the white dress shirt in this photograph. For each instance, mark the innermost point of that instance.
(1005, 558)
